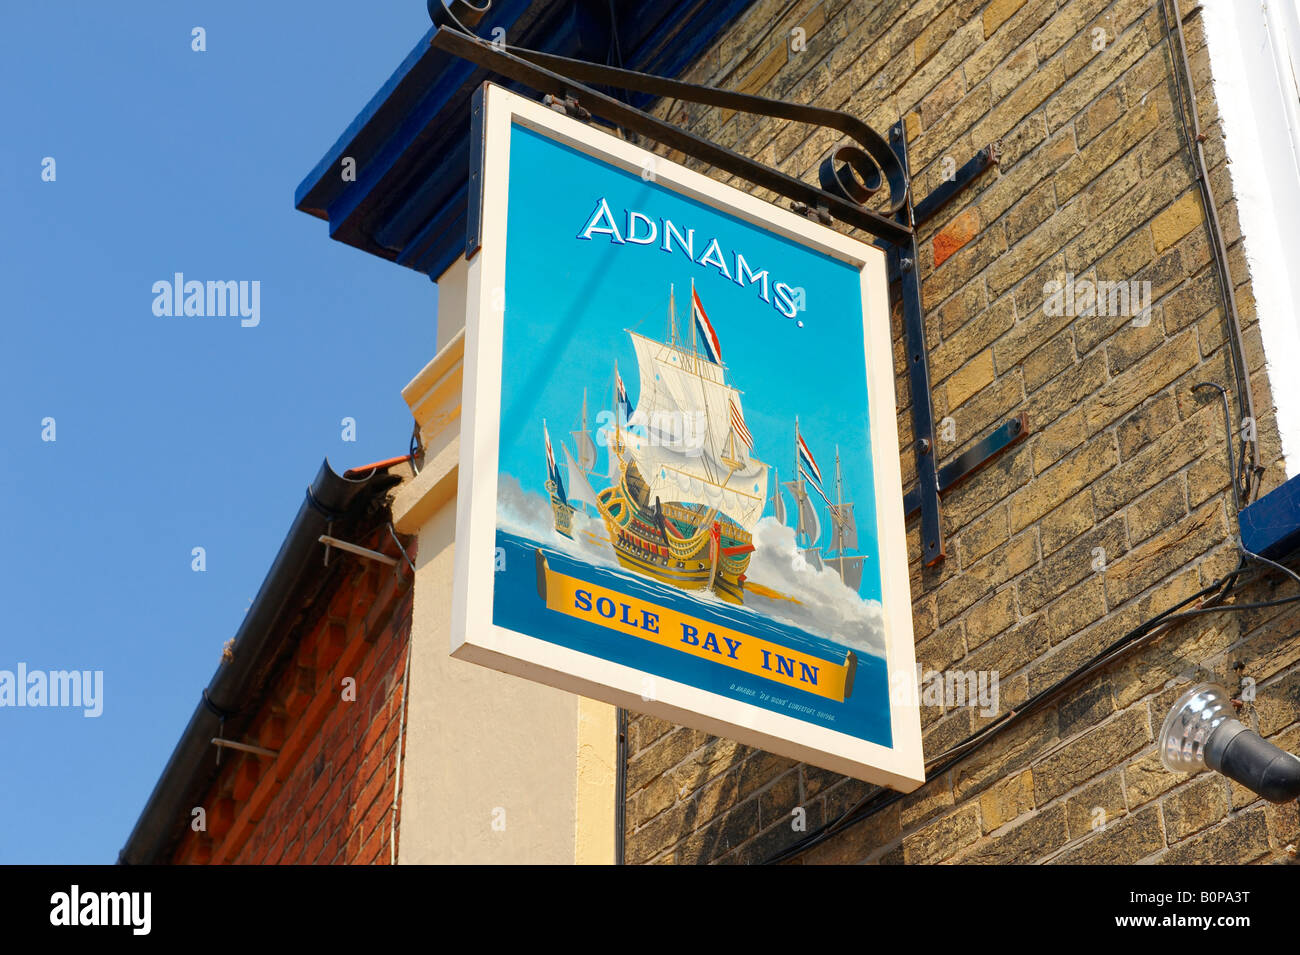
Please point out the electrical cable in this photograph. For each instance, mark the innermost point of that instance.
(1236, 350)
(393, 533)
(399, 771)
(414, 448)
(881, 798)
(1245, 483)
(1227, 424)
(1272, 563)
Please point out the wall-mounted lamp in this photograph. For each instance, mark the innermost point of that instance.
(1200, 731)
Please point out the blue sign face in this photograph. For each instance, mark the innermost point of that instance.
(685, 476)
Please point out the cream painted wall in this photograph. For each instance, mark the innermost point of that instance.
(497, 769)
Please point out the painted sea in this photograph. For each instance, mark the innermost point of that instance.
(518, 606)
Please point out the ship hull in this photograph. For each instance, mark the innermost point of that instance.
(678, 544)
(562, 510)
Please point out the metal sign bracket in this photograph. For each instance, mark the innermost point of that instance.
(848, 178)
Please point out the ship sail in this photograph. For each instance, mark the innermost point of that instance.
(846, 534)
(586, 449)
(673, 475)
(848, 527)
(688, 451)
(808, 522)
(580, 488)
(849, 569)
(583, 442)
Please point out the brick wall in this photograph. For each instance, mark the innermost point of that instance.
(328, 796)
(1095, 180)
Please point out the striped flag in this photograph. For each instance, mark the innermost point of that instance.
(708, 337)
(808, 465)
(738, 425)
(835, 511)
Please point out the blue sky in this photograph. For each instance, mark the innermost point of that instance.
(816, 371)
(171, 433)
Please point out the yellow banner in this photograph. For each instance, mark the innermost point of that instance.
(663, 625)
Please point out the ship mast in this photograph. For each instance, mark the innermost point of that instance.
(618, 427)
(798, 479)
(695, 355)
(846, 534)
(839, 506)
(672, 317)
(691, 451)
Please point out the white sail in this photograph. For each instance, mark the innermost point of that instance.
(808, 522)
(677, 476)
(684, 394)
(582, 440)
(849, 569)
(579, 486)
(586, 449)
(847, 538)
(814, 557)
(684, 410)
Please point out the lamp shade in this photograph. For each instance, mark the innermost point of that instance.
(1196, 715)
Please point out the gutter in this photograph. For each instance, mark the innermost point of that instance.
(257, 644)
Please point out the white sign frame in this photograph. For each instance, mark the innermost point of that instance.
(474, 636)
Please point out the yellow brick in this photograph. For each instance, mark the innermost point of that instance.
(1176, 221)
(970, 378)
(934, 35)
(1007, 800)
(997, 13)
(763, 73)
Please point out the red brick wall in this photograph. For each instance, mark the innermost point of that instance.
(328, 795)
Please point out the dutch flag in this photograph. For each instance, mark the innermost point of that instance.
(712, 348)
(809, 466)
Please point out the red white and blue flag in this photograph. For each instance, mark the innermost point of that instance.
(822, 494)
(550, 464)
(710, 345)
(620, 397)
(550, 455)
(809, 466)
(738, 425)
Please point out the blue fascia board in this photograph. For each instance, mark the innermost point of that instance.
(1270, 526)
(333, 158)
(410, 143)
(372, 126)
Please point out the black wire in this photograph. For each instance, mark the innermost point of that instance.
(1219, 252)
(1244, 481)
(1233, 470)
(881, 798)
(414, 447)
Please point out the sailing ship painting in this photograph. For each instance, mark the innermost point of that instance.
(678, 430)
(686, 486)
